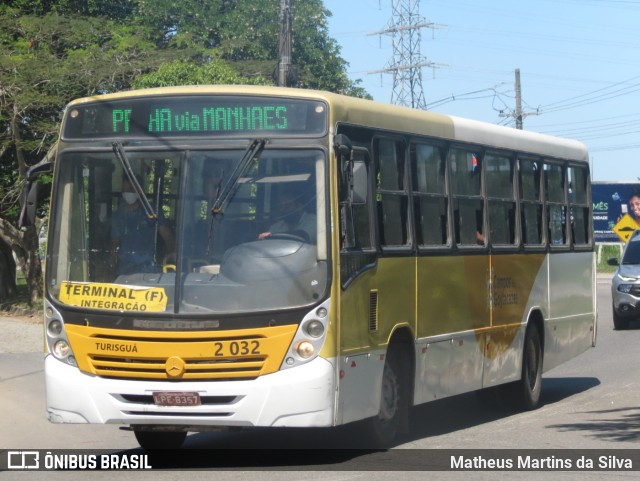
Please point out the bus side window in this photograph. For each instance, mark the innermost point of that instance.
(392, 200)
(465, 167)
(579, 206)
(501, 201)
(530, 202)
(429, 194)
(555, 200)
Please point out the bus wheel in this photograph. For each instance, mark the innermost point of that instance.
(528, 389)
(385, 427)
(150, 440)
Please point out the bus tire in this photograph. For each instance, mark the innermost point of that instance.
(528, 389)
(394, 400)
(150, 440)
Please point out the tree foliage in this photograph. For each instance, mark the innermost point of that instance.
(54, 51)
(190, 73)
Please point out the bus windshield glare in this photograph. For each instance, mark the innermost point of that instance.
(211, 232)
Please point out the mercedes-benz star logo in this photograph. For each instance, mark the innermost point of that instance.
(175, 367)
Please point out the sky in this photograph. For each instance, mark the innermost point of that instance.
(579, 63)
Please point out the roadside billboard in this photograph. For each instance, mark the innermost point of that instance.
(610, 204)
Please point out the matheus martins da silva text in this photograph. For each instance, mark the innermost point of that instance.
(608, 462)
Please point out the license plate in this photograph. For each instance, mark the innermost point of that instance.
(170, 398)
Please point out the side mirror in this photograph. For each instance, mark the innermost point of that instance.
(29, 198)
(28, 205)
(353, 172)
(613, 261)
(343, 145)
(359, 183)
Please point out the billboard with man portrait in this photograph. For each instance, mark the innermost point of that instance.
(611, 201)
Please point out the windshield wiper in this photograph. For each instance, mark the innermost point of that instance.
(126, 166)
(250, 156)
(225, 194)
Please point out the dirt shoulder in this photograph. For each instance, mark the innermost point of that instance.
(21, 333)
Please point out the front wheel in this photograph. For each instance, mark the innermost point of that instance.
(394, 403)
(150, 440)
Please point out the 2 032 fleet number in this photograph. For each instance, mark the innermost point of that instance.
(236, 348)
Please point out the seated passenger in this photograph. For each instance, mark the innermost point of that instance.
(133, 234)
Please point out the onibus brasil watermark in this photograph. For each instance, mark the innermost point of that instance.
(48, 460)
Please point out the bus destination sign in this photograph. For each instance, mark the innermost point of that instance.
(193, 116)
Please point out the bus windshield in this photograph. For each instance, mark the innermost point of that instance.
(208, 231)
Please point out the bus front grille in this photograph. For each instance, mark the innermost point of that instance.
(231, 355)
(194, 370)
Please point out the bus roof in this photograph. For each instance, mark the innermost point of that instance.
(393, 118)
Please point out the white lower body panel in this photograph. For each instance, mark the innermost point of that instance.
(299, 397)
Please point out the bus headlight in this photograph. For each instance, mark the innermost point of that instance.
(309, 339)
(57, 341)
(305, 349)
(61, 349)
(54, 328)
(314, 328)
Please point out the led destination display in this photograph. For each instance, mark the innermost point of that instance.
(180, 116)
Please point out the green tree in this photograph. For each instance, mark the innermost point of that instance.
(47, 57)
(245, 33)
(191, 73)
(54, 51)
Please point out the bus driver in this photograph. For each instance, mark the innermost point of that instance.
(293, 218)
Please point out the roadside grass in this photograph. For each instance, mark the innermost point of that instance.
(607, 251)
(22, 300)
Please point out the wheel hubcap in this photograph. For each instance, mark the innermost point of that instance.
(389, 404)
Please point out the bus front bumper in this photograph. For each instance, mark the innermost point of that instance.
(298, 397)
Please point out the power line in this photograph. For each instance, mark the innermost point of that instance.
(570, 100)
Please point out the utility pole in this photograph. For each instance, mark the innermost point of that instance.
(285, 73)
(518, 115)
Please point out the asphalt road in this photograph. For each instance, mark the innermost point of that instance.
(589, 403)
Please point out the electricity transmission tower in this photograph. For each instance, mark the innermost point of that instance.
(407, 63)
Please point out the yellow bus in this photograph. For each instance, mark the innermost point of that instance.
(234, 257)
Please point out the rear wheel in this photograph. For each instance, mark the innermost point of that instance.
(150, 440)
(527, 390)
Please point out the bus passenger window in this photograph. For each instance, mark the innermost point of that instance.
(579, 205)
(466, 167)
(429, 194)
(391, 196)
(530, 202)
(556, 208)
(500, 195)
